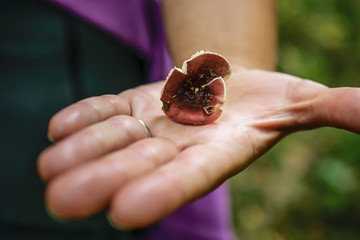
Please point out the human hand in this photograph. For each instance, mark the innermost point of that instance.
(103, 157)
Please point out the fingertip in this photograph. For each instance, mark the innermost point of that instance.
(124, 212)
(56, 126)
(52, 203)
(122, 220)
(337, 108)
(63, 123)
(111, 218)
(42, 166)
(61, 201)
(143, 203)
(50, 138)
(49, 164)
(53, 216)
(52, 133)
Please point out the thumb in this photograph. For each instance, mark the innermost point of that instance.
(338, 107)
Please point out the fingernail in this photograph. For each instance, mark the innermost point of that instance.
(54, 217)
(50, 138)
(116, 226)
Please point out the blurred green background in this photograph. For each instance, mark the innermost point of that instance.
(308, 185)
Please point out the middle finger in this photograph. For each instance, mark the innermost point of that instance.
(87, 189)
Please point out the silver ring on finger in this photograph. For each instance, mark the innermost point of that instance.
(146, 128)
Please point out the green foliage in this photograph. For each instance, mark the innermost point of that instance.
(308, 186)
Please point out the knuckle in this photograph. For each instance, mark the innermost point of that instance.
(128, 126)
(114, 101)
(145, 148)
(125, 123)
(122, 121)
(105, 105)
(157, 149)
(96, 140)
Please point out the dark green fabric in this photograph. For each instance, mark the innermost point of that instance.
(49, 59)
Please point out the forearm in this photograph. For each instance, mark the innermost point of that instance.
(244, 31)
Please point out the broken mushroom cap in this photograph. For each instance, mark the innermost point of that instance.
(194, 94)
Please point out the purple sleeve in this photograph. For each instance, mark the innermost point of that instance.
(208, 218)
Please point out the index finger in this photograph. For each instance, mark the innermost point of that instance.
(85, 113)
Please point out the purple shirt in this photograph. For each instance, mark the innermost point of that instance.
(139, 24)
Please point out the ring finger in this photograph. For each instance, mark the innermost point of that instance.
(92, 142)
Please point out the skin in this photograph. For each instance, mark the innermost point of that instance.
(244, 31)
(103, 159)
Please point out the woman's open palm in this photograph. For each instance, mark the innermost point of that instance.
(104, 158)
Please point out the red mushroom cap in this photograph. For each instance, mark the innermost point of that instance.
(194, 94)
